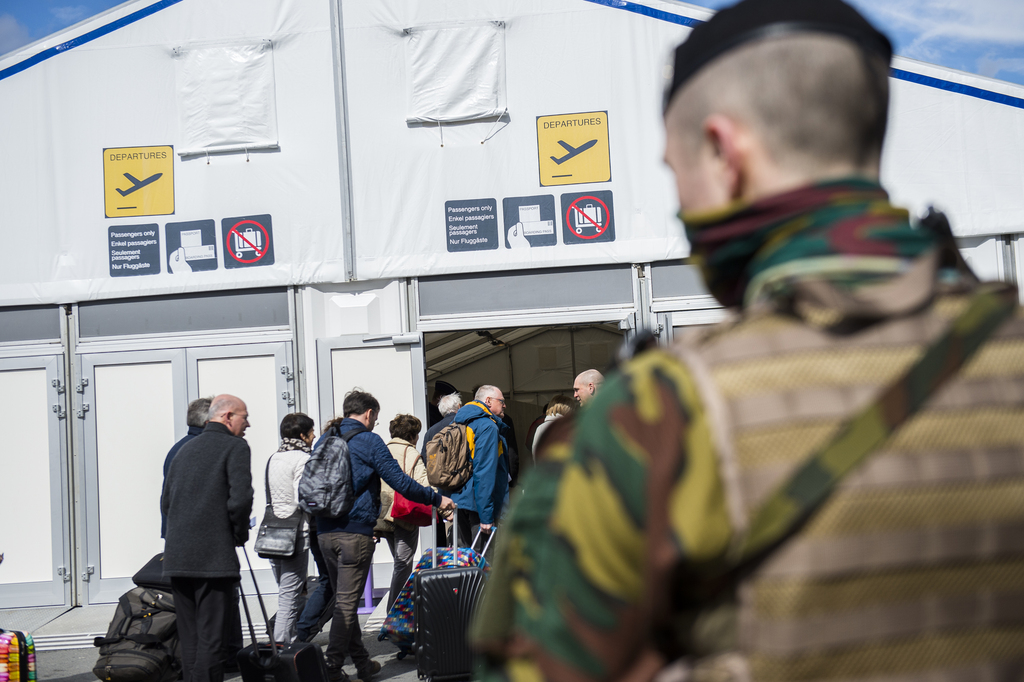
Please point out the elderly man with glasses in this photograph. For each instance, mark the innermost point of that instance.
(481, 499)
(207, 498)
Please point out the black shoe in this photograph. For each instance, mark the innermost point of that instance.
(370, 671)
(336, 675)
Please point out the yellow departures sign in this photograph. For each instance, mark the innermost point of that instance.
(138, 181)
(573, 148)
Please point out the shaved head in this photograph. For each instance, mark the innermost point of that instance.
(817, 102)
(586, 385)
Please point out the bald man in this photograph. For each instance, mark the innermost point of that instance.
(586, 385)
(207, 498)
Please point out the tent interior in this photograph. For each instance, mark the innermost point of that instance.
(530, 365)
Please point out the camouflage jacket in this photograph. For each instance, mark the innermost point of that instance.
(615, 559)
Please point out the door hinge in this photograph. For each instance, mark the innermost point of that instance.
(287, 372)
(64, 573)
(287, 397)
(80, 387)
(89, 570)
(59, 411)
(82, 410)
(56, 383)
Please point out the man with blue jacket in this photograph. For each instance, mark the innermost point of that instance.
(482, 498)
(347, 541)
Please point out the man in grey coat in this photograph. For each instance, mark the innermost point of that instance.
(207, 499)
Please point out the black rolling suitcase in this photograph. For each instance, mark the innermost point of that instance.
(270, 662)
(445, 600)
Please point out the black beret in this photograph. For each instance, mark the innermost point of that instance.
(755, 19)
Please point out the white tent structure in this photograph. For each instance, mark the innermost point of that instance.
(286, 199)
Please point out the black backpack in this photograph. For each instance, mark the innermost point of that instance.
(325, 488)
(142, 641)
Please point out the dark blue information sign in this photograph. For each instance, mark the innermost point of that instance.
(530, 221)
(471, 225)
(588, 217)
(248, 241)
(134, 250)
(191, 246)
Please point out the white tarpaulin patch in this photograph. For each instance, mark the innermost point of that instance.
(456, 73)
(226, 97)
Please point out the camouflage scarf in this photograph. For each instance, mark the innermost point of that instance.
(845, 230)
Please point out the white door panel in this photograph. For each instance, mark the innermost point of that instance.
(392, 369)
(132, 435)
(136, 412)
(253, 373)
(386, 372)
(33, 483)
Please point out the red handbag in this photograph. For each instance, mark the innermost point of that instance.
(408, 511)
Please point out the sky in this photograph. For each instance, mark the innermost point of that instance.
(985, 37)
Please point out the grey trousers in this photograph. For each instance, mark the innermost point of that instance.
(403, 546)
(290, 575)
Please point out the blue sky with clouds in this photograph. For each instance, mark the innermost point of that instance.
(985, 37)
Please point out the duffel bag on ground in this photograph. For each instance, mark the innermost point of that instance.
(141, 644)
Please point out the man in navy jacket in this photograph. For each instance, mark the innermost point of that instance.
(347, 541)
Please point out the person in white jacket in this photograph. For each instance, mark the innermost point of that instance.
(283, 473)
(559, 406)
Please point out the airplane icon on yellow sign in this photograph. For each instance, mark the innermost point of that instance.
(137, 184)
(573, 151)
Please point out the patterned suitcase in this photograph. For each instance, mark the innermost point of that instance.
(445, 598)
(17, 657)
(400, 625)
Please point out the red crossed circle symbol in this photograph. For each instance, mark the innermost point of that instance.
(600, 228)
(260, 252)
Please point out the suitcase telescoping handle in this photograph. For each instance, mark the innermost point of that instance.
(490, 536)
(455, 537)
(252, 630)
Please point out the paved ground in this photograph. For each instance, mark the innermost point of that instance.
(75, 665)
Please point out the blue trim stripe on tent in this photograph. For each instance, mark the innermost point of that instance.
(86, 38)
(625, 5)
(899, 74)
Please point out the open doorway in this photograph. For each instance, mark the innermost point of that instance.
(529, 364)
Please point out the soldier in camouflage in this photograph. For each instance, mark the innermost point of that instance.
(828, 486)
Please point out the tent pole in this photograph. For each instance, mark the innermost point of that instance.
(344, 146)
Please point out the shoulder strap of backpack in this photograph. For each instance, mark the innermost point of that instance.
(792, 504)
(349, 435)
